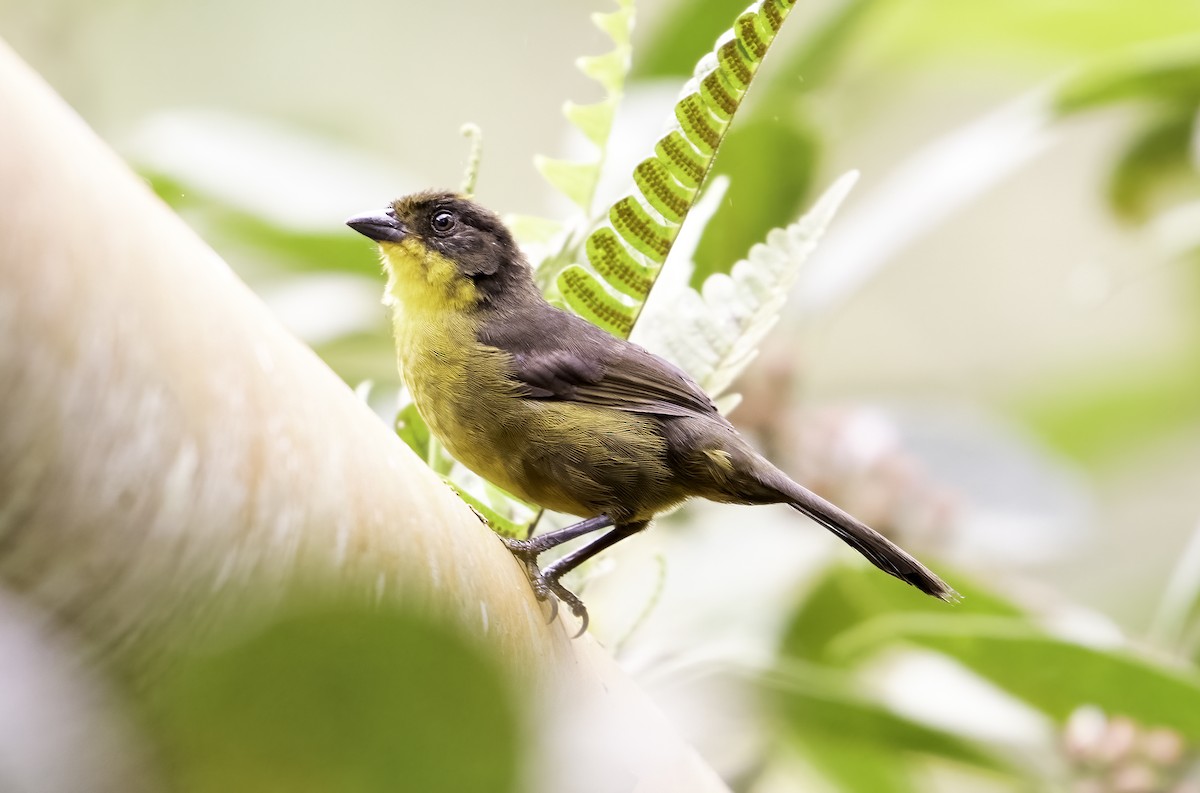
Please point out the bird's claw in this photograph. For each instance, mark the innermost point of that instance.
(561, 593)
(547, 587)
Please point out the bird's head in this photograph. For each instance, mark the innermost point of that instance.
(444, 252)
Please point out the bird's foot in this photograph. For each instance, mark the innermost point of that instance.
(527, 554)
(546, 586)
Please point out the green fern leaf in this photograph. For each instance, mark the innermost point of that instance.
(575, 180)
(607, 69)
(713, 334)
(594, 121)
(578, 180)
(617, 24)
(533, 230)
(667, 185)
(589, 298)
(616, 265)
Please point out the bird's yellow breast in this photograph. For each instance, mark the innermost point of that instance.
(458, 385)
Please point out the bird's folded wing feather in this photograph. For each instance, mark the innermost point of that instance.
(572, 360)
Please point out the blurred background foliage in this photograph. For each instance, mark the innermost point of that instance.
(330, 696)
(994, 357)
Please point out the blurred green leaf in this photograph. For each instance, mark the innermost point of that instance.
(1156, 158)
(340, 699)
(820, 709)
(1053, 675)
(1023, 30)
(1164, 71)
(335, 249)
(575, 180)
(672, 49)
(814, 61)
(859, 768)
(578, 180)
(362, 356)
(848, 596)
(532, 230)
(1104, 416)
(413, 430)
(1176, 622)
(771, 164)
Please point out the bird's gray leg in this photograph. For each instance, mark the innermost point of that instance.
(527, 552)
(546, 582)
(544, 542)
(549, 577)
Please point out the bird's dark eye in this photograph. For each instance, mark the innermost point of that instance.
(442, 221)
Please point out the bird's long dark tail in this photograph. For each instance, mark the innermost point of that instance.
(879, 550)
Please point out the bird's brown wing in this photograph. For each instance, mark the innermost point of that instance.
(562, 357)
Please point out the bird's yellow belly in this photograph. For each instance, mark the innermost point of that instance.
(563, 456)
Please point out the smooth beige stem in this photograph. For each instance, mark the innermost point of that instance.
(165, 448)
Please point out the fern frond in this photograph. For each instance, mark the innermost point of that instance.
(715, 333)
(577, 180)
(626, 252)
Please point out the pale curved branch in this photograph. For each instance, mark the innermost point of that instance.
(166, 449)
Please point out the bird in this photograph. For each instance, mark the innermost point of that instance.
(559, 412)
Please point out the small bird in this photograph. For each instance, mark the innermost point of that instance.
(556, 410)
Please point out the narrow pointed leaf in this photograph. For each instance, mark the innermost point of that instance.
(594, 121)
(1054, 675)
(575, 180)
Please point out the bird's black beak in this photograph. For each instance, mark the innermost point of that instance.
(379, 226)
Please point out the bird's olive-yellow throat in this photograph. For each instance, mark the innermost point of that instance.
(556, 410)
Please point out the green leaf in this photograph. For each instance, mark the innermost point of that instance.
(1156, 157)
(816, 704)
(336, 697)
(587, 297)
(533, 230)
(493, 515)
(617, 25)
(1023, 32)
(857, 768)
(594, 121)
(291, 250)
(1178, 614)
(578, 180)
(813, 62)
(359, 356)
(1108, 414)
(616, 264)
(847, 597)
(667, 184)
(644, 233)
(1052, 675)
(607, 69)
(1161, 71)
(413, 430)
(672, 49)
(575, 180)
